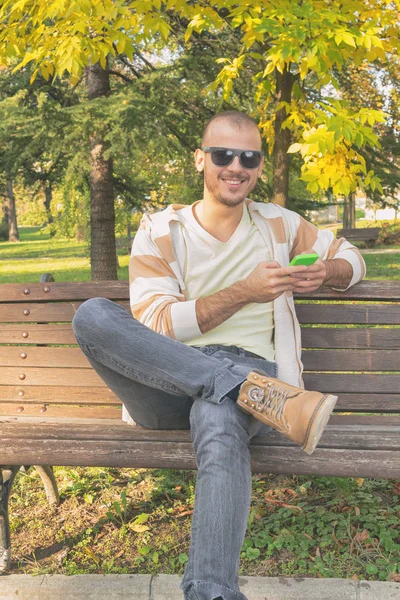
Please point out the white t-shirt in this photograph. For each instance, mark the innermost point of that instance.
(212, 265)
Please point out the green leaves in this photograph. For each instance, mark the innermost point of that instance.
(252, 553)
(71, 39)
(310, 40)
(328, 149)
(294, 148)
(138, 523)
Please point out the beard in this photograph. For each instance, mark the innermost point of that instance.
(232, 199)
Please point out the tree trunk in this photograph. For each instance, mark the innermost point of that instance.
(349, 212)
(80, 233)
(280, 177)
(13, 235)
(337, 213)
(48, 194)
(103, 255)
(353, 209)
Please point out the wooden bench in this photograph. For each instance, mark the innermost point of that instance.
(55, 410)
(369, 235)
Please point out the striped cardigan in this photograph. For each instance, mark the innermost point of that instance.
(157, 265)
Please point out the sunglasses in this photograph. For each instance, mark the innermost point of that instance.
(222, 157)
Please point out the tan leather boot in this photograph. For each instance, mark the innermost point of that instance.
(299, 415)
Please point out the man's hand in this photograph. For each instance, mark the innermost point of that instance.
(269, 280)
(311, 279)
(335, 273)
(265, 283)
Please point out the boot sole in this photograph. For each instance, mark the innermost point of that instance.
(318, 422)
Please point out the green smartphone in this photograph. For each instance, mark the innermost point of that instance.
(303, 259)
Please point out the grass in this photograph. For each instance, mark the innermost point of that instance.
(383, 266)
(68, 260)
(138, 520)
(37, 253)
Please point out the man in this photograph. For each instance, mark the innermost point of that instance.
(214, 344)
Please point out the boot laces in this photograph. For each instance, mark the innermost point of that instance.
(275, 401)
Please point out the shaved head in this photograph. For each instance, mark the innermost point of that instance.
(236, 119)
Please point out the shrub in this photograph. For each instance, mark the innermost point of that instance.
(389, 234)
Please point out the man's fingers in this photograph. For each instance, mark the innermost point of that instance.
(316, 267)
(312, 272)
(304, 285)
(292, 270)
(307, 276)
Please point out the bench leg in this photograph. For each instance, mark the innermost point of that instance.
(7, 476)
(50, 484)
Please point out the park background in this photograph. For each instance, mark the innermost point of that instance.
(102, 104)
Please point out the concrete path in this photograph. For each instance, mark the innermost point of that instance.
(379, 250)
(166, 587)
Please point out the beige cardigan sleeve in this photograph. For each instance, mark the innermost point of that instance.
(157, 295)
(308, 238)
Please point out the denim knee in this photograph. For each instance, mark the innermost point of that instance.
(90, 316)
(209, 421)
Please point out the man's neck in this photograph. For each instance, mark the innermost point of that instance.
(218, 220)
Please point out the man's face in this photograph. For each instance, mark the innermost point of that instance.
(229, 185)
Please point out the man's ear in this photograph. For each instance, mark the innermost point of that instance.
(260, 168)
(199, 160)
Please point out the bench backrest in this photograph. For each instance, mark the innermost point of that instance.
(351, 346)
(361, 233)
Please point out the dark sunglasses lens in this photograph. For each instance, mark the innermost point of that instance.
(222, 158)
(250, 160)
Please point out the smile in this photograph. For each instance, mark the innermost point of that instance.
(233, 181)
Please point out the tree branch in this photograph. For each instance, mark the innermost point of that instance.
(127, 63)
(118, 74)
(146, 62)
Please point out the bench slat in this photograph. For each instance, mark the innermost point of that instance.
(38, 313)
(369, 402)
(119, 290)
(314, 359)
(57, 394)
(42, 357)
(373, 314)
(312, 337)
(54, 376)
(37, 334)
(180, 455)
(351, 360)
(362, 383)
(327, 462)
(372, 403)
(76, 291)
(102, 395)
(362, 314)
(325, 382)
(365, 290)
(359, 233)
(60, 410)
(370, 421)
(335, 338)
(343, 431)
(42, 312)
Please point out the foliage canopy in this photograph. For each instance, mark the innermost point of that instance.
(311, 41)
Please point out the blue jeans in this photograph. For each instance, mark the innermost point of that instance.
(166, 384)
